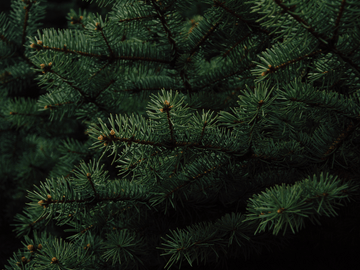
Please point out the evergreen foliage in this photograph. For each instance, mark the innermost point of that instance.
(161, 141)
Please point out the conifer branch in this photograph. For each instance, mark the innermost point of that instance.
(324, 45)
(335, 36)
(245, 139)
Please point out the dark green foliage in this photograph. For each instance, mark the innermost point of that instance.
(169, 134)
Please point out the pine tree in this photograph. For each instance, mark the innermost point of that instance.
(173, 142)
(29, 141)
